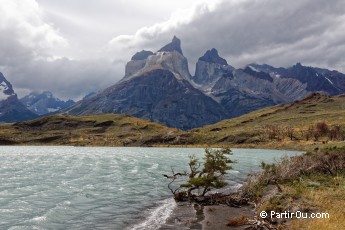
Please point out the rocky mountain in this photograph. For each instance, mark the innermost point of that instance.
(156, 87)
(210, 68)
(316, 79)
(11, 109)
(240, 91)
(44, 103)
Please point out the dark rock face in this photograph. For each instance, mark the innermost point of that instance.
(11, 110)
(174, 45)
(316, 79)
(261, 74)
(44, 103)
(158, 96)
(213, 57)
(250, 89)
(240, 100)
(5, 86)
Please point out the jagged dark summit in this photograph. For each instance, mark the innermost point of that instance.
(212, 56)
(174, 45)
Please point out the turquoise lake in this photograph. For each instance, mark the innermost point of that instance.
(100, 188)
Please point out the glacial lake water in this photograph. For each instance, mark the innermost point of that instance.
(99, 187)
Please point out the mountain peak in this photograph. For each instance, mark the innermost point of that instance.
(174, 45)
(6, 88)
(47, 94)
(142, 55)
(298, 64)
(212, 56)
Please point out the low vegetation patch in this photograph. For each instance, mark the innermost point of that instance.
(312, 183)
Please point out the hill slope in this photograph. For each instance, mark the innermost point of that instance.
(314, 120)
(283, 124)
(96, 130)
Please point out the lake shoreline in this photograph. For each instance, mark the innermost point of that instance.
(82, 161)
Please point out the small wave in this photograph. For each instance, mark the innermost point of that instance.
(135, 170)
(39, 219)
(154, 166)
(157, 217)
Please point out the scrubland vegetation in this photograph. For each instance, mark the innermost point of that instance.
(312, 183)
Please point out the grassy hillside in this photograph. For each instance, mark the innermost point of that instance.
(97, 130)
(315, 119)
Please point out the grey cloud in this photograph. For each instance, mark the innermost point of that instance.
(65, 78)
(30, 47)
(267, 31)
(275, 32)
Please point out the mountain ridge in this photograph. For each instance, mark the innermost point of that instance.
(229, 92)
(44, 103)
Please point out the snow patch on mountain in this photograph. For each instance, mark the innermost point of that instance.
(3, 88)
(329, 80)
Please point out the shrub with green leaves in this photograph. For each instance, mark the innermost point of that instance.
(204, 176)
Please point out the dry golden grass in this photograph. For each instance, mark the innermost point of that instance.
(96, 130)
(249, 130)
(312, 183)
(331, 200)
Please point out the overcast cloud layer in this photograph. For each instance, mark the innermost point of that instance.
(71, 47)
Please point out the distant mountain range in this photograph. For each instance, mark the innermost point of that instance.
(44, 103)
(31, 106)
(159, 87)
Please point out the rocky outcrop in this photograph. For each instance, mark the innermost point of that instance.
(44, 103)
(11, 110)
(210, 68)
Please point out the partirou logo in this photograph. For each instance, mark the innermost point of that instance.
(297, 214)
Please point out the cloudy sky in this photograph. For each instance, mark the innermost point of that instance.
(73, 47)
